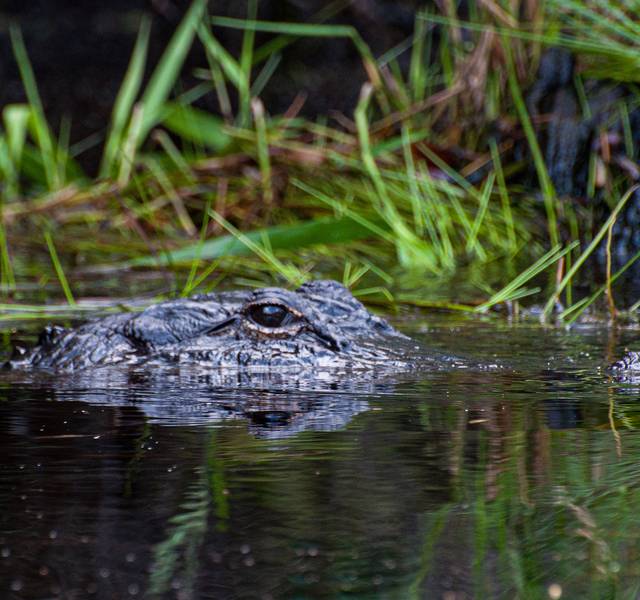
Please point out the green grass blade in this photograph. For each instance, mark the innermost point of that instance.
(166, 72)
(123, 105)
(419, 61)
(265, 74)
(575, 310)
(220, 56)
(16, 123)
(278, 43)
(7, 276)
(411, 250)
(130, 145)
(472, 240)
(62, 278)
(507, 213)
(308, 30)
(262, 144)
(295, 29)
(246, 63)
(41, 130)
(588, 251)
(264, 250)
(15, 118)
(173, 153)
(281, 237)
(513, 290)
(189, 285)
(196, 126)
(7, 172)
(546, 185)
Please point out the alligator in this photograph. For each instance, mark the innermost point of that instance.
(269, 338)
(317, 327)
(628, 365)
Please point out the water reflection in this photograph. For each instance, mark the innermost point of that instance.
(456, 484)
(272, 405)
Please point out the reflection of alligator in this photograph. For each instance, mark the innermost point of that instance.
(273, 407)
(319, 326)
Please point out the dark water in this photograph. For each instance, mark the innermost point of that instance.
(521, 481)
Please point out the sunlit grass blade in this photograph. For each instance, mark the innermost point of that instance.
(169, 189)
(264, 250)
(418, 65)
(7, 172)
(130, 145)
(504, 195)
(376, 228)
(57, 265)
(472, 240)
(16, 123)
(15, 118)
(412, 251)
(614, 22)
(414, 196)
(172, 151)
(278, 43)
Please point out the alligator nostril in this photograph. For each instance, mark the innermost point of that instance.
(49, 334)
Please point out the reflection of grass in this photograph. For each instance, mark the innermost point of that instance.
(178, 557)
(573, 524)
(434, 526)
(525, 507)
(416, 185)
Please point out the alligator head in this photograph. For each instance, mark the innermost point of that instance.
(317, 327)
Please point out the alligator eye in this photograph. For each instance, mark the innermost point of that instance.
(270, 315)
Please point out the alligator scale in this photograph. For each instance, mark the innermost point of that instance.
(318, 326)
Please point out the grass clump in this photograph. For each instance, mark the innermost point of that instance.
(429, 181)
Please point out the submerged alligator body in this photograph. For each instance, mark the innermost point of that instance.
(319, 326)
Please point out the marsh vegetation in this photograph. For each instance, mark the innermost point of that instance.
(490, 159)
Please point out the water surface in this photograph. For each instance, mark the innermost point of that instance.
(519, 479)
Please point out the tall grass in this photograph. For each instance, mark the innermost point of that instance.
(381, 189)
